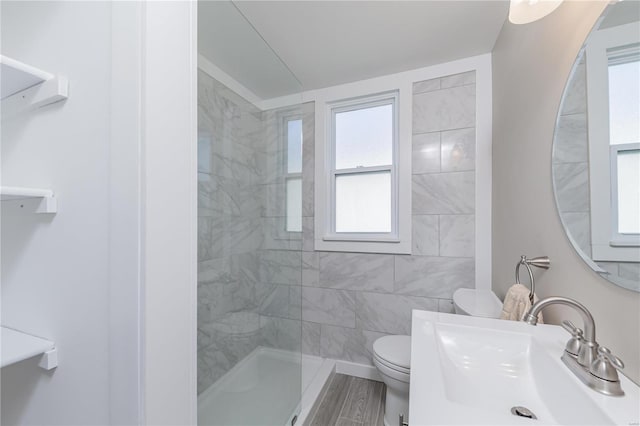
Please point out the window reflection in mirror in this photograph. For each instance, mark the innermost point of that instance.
(596, 152)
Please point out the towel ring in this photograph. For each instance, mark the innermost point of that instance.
(539, 262)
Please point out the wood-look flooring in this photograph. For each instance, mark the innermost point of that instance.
(349, 401)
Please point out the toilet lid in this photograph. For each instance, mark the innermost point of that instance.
(478, 303)
(395, 350)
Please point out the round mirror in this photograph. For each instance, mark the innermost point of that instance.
(596, 148)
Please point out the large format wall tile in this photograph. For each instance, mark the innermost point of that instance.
(433, 276)
(425, 154)
(389, 313)
(311, 269)
(572, 186)
(328, 306)
(247, 295)
(630, 271)
(209, 241)
(275, 302)
(426, 86)
(349, 344)
(348, 299)
(444, 109)
(570, 141)
(458, 150)
(425, 235)
(457, 235)
(281, 267)
(281, 333)
(446, 306)
(455, 80)
(231, 342)
(579, 226)
(444, 193)
(355, 271)
(311, 338)
(575, 100)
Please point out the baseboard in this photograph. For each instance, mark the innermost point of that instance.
(358, 370)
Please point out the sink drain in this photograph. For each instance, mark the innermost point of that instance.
(523, 412)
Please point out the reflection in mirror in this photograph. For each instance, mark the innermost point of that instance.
(596, 150)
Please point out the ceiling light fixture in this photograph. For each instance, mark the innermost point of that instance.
(525, 11)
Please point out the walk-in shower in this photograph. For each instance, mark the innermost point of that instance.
(249, 227)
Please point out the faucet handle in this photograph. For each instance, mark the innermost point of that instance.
(575, 343)
(606, 364)
(568, 325)
(614, 360)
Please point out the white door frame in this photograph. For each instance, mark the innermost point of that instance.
(169, 212)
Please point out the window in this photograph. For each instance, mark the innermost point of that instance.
(293, 173)
(624, 141)
(361, 174)
(625, 182)
(613, 88)
(363, 139)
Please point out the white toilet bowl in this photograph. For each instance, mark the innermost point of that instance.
(477, 303)
(392, 358)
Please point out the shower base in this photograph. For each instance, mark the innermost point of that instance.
(264, 389)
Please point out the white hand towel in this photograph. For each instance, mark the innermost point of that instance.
(517, 303)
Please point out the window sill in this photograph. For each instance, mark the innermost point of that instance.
(349, 244)
(357, 239)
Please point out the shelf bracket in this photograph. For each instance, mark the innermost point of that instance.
(49, 359)
(44, 199)
(46, 93)
(47, 205)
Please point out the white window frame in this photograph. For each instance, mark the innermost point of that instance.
(604, 245)
(356, 104)
(398, 241)
(284, 137)
(618, 239)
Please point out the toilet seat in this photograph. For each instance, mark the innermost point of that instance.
(391, 365)
(394, 352)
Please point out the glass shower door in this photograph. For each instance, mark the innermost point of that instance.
(249, 227)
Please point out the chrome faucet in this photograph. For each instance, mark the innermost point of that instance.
(594, 365)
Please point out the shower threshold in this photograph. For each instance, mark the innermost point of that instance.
(265, 389)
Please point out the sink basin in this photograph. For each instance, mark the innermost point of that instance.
(469, 370)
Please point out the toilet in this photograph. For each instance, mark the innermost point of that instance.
(392, 358)
(392, 354)
(477, 303)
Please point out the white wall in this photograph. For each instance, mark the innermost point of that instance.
(56, 271)
(170, 211)
(531, 64)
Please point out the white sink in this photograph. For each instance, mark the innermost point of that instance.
(468, 370)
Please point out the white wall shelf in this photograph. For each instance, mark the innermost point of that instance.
(24, 88)
(48, 203)
(18, 346)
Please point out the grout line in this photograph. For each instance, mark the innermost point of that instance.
(444, 130)
(444, 173)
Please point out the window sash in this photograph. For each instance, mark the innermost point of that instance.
(284, 167)
(599, 50)
(617, 238)
(388, 98)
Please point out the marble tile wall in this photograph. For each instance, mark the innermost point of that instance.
(249, 270)
(571, 162)
(571, 174)
(351, 299)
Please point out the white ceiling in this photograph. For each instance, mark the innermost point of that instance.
(325, 43)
